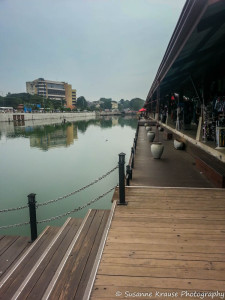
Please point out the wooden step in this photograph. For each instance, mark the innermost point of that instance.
(71, 280)
(11, 249)
(21, 277)
(59, 263)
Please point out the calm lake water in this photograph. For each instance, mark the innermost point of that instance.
(54, 160)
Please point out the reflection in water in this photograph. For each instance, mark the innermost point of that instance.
(52, 160)
(61, 136)
(46, 137)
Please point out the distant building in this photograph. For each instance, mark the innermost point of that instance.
(114, 105)
(55, 90)
(74, 97)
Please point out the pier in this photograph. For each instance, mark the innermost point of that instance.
(166, 240)
(169, 238)
(164, 236)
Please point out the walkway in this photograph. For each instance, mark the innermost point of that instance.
(169, 241)
(165, 240)
(176, 168)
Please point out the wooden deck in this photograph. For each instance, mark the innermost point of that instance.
(58, 264)
(176, 168)
(11, 249)
(165, 240)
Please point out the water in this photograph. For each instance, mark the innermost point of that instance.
(53, 160)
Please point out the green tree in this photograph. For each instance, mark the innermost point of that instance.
(136, 104)
(81, 103)
(106, 103)
(124, 104)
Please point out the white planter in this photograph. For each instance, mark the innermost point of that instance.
(148, 128)
(146, 124)
(151, 136)
(157, 150)
(178, 145)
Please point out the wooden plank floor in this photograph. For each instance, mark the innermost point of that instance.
(176, 168)
(73, 278)
(11, 249)
(166, 240)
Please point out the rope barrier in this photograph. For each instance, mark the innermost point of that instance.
(60, 198)
(77, 191)
(14, 225)
(77, 209)
(13, 209)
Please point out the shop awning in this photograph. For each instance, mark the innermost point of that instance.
(196, 46)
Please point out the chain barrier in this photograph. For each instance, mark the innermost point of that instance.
(77, 209)
(60, 198)
(77, 191)
(15, 225)
(13, 209)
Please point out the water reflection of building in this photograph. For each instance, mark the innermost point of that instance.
(60, 137)
(115, 121)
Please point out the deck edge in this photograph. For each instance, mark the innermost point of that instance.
(64, 260)
(90, 284)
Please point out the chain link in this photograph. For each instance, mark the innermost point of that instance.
(77, 191)
(15, 225)
(13, 209)
(77, 209)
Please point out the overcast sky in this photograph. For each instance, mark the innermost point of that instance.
(104, 48)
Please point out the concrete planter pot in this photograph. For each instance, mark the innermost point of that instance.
(146, 124)
(151, 136)
(157, 150)
(178, 145)
(148, 128)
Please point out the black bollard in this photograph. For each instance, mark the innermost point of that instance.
(122, 179)
(33, 219)
(129, 174)
(132, 154)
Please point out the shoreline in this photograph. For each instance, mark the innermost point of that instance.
(10, 117)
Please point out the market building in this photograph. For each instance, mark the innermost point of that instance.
(188, 92)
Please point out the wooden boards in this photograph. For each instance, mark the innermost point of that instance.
(167, 240)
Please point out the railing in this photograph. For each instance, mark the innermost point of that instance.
(33, 205)
(130, 165)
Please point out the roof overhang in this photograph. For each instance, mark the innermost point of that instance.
(196, 46)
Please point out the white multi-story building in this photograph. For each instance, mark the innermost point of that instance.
(55, 90)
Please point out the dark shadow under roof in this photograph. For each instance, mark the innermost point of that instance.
(196, 47)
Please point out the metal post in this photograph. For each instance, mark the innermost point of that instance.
(33, 220)
(132, 155)
(122, 179)
(129, 171)
(135, 143)
(127, 175)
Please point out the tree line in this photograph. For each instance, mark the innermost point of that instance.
(106, 103)
(35, 102)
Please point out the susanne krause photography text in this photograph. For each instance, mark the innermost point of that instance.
(173, 295)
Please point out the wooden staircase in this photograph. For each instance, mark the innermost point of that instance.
(58, 265)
